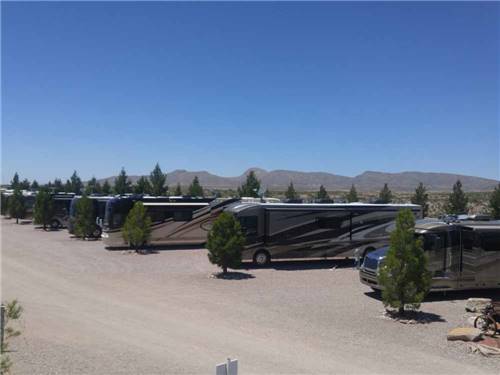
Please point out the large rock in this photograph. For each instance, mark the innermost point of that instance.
(477, 304)
(464, 334)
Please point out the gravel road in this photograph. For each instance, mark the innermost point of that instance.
(93, 311)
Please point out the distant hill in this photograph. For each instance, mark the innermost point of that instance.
(310, 181)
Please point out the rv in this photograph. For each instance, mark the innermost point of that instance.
(464, 255)
(61, 203)
(99, 204)
(294, 231)
(175, 220)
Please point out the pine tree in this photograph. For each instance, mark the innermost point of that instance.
(13, 311)
(34, 185)
(91, 186)
(225, 242)
(291, 194)
(251, 186)
(106, 188)
(17, 205)
(76, 183)
(403, 275)
(137, 227)
(14, 183)
(158, 179)
(421, 198)
(84, 217)
(457, 201)
(353, 195)
(495, 203)
(98, 188)
(178, 190)
(385, 195)
(58, 186)
(142, 186)
(25, 184)
(43, 210)
(122, 184)
(195, 189)
(323, 194)
(68, 188)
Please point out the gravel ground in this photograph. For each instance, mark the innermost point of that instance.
(89, 310)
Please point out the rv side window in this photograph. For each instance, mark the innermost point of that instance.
(332, 222)
(490, 241)
(249, 224)
(183, 215)
(468, 240)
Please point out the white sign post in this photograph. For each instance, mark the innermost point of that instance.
(229, 368)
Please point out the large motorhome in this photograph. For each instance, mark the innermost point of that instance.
(99, 204)
(292, 231)
(29, 202)
(61, 203)
(462, 255)
(176, 220)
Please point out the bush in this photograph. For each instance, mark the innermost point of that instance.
(43, 209)
(137, 228)
(84, 217)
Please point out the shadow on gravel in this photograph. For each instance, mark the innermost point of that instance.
(302, 265)
(157, 249)
(416, 317)
(458, 295)
(233, 276)
(25, 222)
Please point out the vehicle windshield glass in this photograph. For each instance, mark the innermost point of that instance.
(116, 212)
(432, 241)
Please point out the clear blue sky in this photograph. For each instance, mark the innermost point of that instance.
(337, 87)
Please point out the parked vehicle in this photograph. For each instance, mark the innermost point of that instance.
(29, 201)
(464, 255)
(292, 231)
(61, 202)
(99, 203)
(176, 220)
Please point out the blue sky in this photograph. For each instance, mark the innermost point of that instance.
(336, 87)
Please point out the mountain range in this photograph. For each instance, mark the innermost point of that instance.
(368, 181)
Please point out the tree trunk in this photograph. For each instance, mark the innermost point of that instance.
(17, 220)
(401, 310)
(224, 270)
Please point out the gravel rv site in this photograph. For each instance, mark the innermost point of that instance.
(93, 311)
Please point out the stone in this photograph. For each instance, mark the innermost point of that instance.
(464, 334)
(471, 320)
(477, 304)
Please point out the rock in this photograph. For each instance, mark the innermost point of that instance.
(477, 304)
(464, 334)
(471, 320)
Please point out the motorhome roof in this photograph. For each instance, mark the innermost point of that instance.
(243, 205)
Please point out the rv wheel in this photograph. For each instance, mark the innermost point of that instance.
(261, 258)
(54, 224)
(97, 232)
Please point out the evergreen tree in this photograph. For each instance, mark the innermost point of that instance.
(13, 312)
(403, 274)
(195, 189)
(43, 211)
(85, 217)
(251, 186)
(142, 186)
(106, 188)
(137, 228)
(178, 190)
(495, 203)
(98, 188)
(225, 242)
(17, 205)
(25, 184)
(34, 185)
(385, 195)
(352, 196)
(15, 183)
(457, 201)
(421, 198)
(76, 183)
(291, 194)
(91, 187)
(58, 186)
(323, 194)
(158, 178)
(122, 184)
(68, 188)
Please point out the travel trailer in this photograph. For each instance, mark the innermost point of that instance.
(462, 255)
(99, 204)
(175, 220)
(294, 231)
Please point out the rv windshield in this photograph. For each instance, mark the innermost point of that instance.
(116, 212)
(432, 241)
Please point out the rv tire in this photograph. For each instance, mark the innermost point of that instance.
(54, 224)
(262, 258)
(97, 232)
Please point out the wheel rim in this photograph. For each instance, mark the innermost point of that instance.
(261, 258)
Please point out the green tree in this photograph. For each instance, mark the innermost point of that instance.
(290, 192)
(34, 185)
(85, 217)
(68, 188)
(457, 201)
(137, 228)
(158, 179)
(403, 275)
(225, 242)
(58, 186)
(178, 190)
(13, 312)
(76, 184)
(421, 198)
(106, 188)
(93, 187)
(15, 183)
(17, 205)
(122, 183)
(322, 193)
(43, 209)
(352, 196)
(142, 186)
(195, 189)
(495, 202)
(25, 184)
(385, 195)
(251, 186)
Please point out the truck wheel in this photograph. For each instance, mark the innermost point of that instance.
(262, 258)
(54, 224)
(97, 232)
